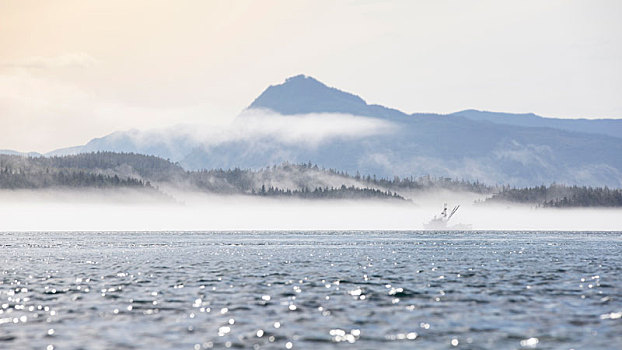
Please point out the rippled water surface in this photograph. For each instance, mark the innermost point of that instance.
(363, 290)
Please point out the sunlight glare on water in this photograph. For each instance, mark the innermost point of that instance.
(293, 290)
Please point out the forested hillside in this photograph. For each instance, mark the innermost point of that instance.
(123, 170)
(560, 196)
(107, 170)
(18, 172)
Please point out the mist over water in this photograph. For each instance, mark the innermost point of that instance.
(130, 210)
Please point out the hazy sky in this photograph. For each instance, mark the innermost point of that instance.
(74, 70)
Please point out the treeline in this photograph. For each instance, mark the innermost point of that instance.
(95, 170)
(423, 183)
(560, 196)
(312, 176)
(342, 192)
(122, 164)
(110, 169)
(116, 170)
(431, 183)
(20, 179)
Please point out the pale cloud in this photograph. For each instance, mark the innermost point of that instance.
(263, 127)
(526, 155)
(67, 60)
(41, 114)
(308, 129)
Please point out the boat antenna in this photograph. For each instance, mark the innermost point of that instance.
(453, 212)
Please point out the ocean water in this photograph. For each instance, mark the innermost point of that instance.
(319, 290)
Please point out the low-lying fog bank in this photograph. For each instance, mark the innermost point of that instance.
(130, 210)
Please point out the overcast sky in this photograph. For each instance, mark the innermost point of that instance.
(71, 70)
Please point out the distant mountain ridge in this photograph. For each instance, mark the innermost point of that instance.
(609, 127)
(16, 153)
(496, 148)
(303, 94)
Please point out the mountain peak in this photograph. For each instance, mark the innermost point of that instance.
(302, 94)
(301, 78)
